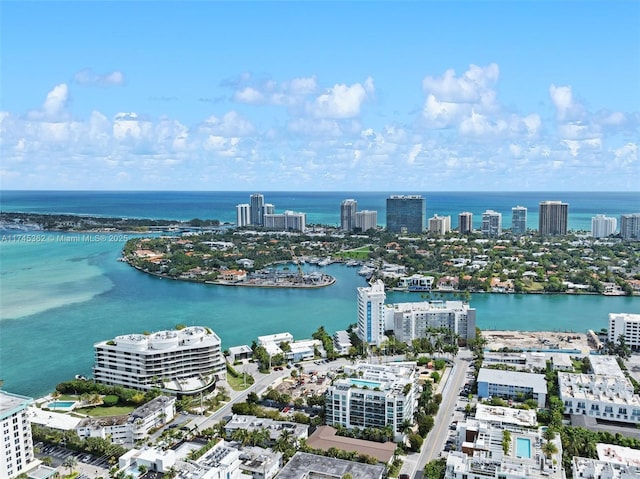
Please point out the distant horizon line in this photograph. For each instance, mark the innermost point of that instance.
(315, 191)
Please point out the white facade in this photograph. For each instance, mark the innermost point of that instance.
(348, 209)
(287, 221)
(156, 413)
(183, 361)
(599, 396)
(614, 462)
(16, 453)
(411, 321)
(511, 384)
(491, 223)
(603, 226)
(439, 224)
(371, 313)
(243, 215)
(626, 324)
(375, 396)
(341, 343)
(274, 428)
(366, 220)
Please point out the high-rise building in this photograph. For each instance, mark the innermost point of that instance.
(267, 209)
(465, 222)
(366, 220)
(439, 225)
(16, 453)
(491, 223)
(627, 325)
(185, 361)
(257, 203)
(243, 214)
(371, 315)
(630, 226)
(287, 221)
(518, 220)
(603, 226)
(553, 218)
(348, 209)
(406, 214)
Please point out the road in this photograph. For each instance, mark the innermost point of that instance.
(434, 444)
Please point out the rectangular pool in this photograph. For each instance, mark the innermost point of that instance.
(362, 383)
(61, 404)
(523, 447)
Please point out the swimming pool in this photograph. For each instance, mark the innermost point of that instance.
(61, 404)
(362, 383)
(523, 447)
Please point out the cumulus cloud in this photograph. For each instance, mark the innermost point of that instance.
(341, 101)
(54, 106)
(567, 108)
(474, 86)
(88, 77)
(269, 92)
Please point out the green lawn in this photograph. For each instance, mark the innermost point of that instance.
(102, 411)
(237, 384)
(533, 286)
(361, 253)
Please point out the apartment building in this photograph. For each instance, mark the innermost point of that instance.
(16, 453)
(627, 325)
(512, 385)
(185, 361)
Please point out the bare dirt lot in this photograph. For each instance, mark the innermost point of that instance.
(541, 340)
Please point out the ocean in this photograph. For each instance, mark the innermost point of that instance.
(62, 294)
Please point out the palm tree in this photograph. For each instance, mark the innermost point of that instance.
(70, 463)
(549, 449)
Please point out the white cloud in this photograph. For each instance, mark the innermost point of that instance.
(474, 86)
(54, 105)
(567, 108)
(249, 95)
(341, 101)
(88, 77)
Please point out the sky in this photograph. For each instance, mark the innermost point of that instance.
(320, 96)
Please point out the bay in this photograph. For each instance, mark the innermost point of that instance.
(59, 296)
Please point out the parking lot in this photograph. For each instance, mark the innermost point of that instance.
(88, 466)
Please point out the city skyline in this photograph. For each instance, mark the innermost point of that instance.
(415, 96)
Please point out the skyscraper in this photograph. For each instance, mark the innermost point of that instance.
(465, 222)
(366, 220)
(439, 225)
(243, 214)
(491, 223)
(630, 226)
(518, 220)
(16, 453)
(257, 203)
(553, 218)
(603, 226)
(406, 214)
(371, 315)
(348, 209)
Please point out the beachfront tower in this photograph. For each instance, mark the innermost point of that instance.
(16, 453)
(371, 313)
(243, 215)
(257, 204)
(366, 220)
(518, 220)
(348, 209)
(553, 218)
(630, 227)
(491, 223)
(439, 225)
(406, 214)
(603, 226)
(465, 222)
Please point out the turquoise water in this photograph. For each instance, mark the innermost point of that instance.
(362, 383)
(58, 297)
(523, 447)
(61, 404)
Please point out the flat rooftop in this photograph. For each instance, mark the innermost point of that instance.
(325, 438)
(12, 403)
(303, 464)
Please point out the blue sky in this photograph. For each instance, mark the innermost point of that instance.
(405, 96)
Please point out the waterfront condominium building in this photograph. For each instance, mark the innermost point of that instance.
(518, 220)
(371, 313)
(411, 321)
(184, 361)
(439, 225)
(374, 395)
(243, 214)
(16, 453)
(406, 214)
(553, 218)
(348, 209)
(603, 226)
(630, 226)
(257, 204)
(491, 223)
(627, 325)
(366, 220)
(287, 221)
(465, 222)
(268, 209)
